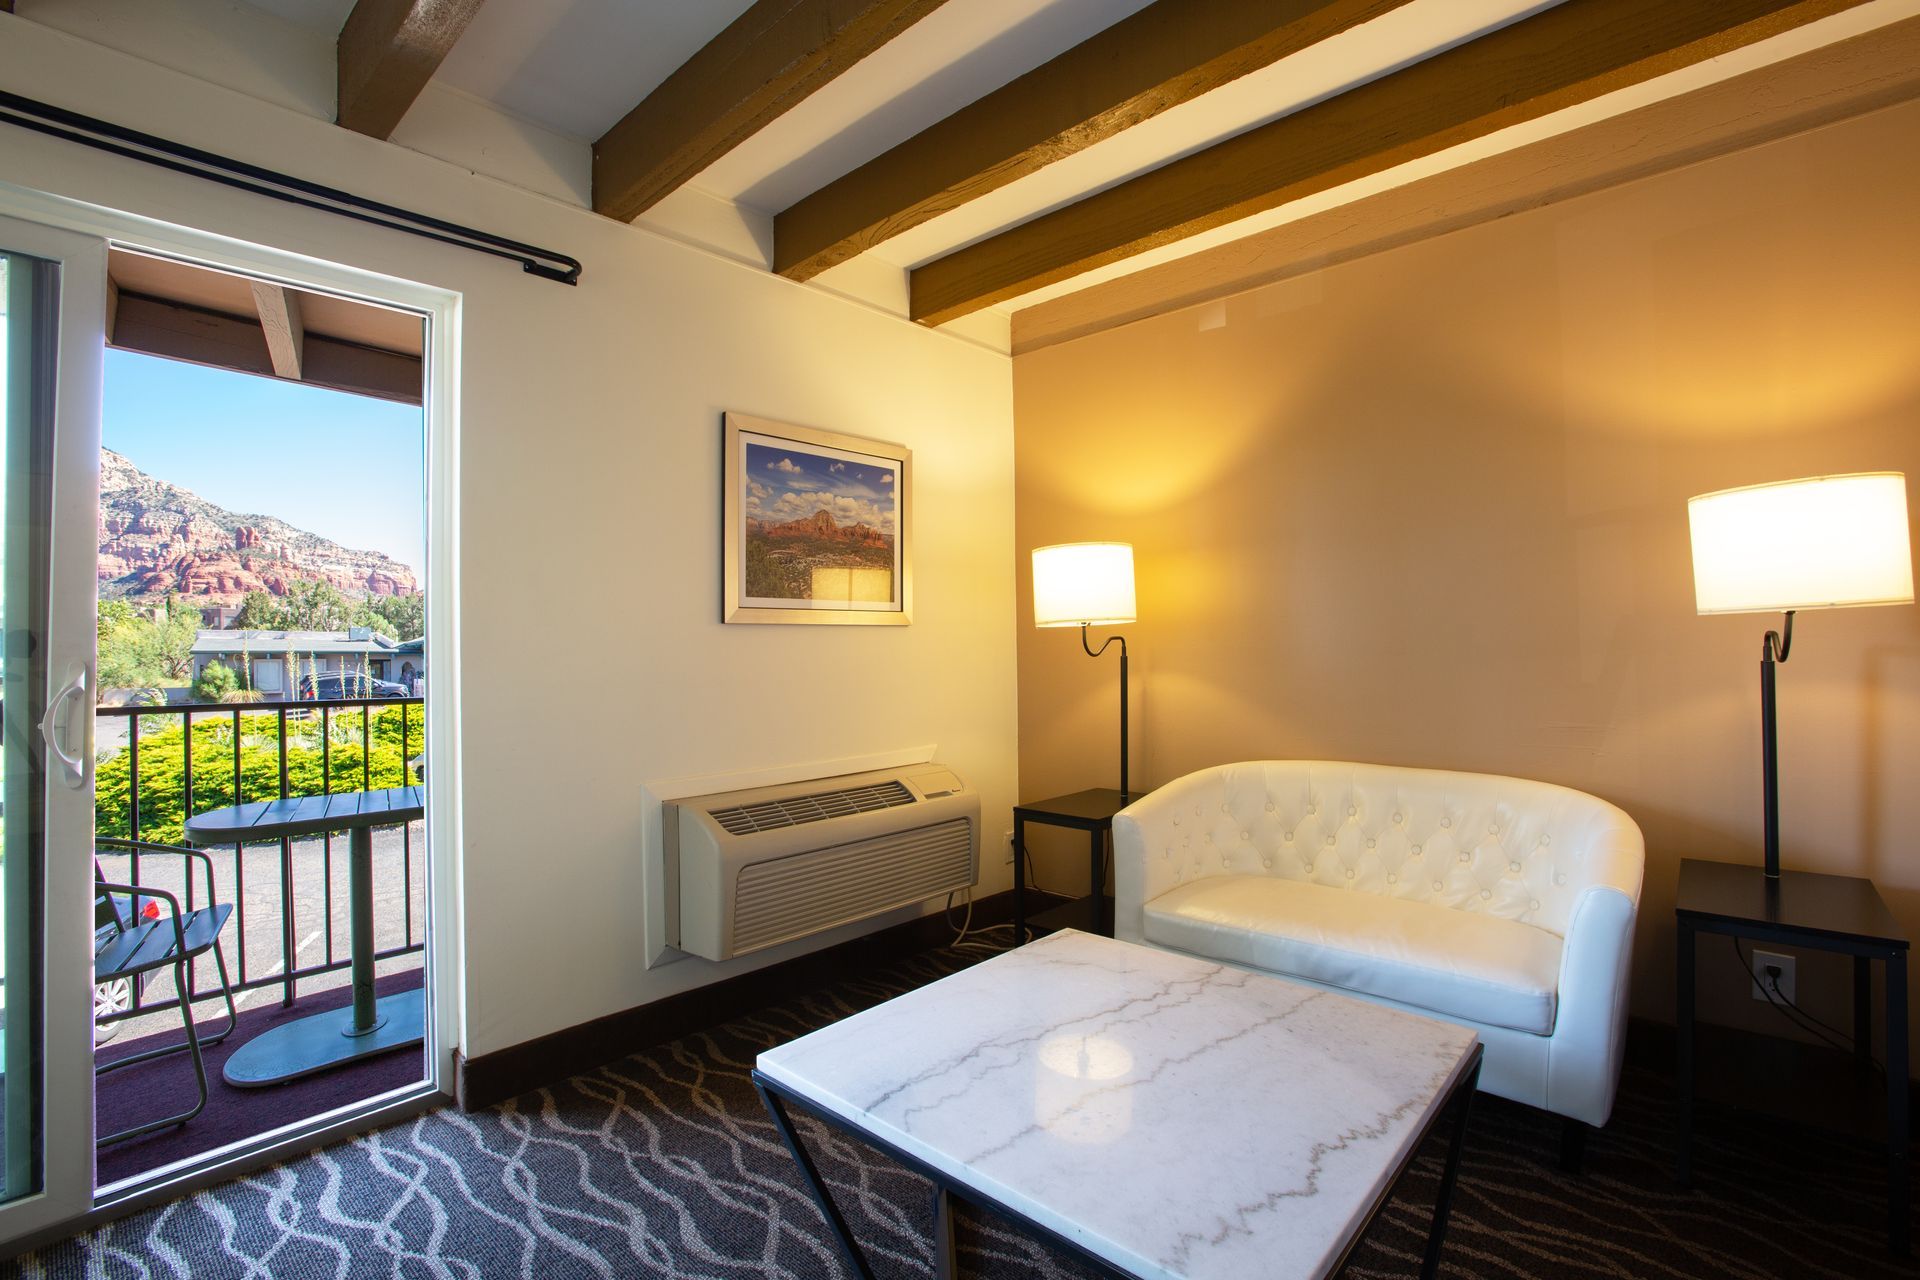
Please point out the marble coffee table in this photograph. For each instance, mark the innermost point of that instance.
(1156, 1114)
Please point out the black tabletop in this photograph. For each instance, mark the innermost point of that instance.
(306, 815)
(1095, 807)
(1839, 906)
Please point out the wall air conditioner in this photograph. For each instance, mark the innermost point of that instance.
(750, 869)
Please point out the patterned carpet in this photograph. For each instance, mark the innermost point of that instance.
(665, 1165)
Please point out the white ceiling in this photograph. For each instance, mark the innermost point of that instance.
(577, 66)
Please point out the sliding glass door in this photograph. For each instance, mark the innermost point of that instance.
(52, 301)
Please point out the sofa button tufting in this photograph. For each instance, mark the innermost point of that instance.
(1369, 844)
(1513, 866)
(1225, 862)
(1416, 850)
(1466, 857)
(1493, 828)
(1351, 811)
(1546, 839)
(1393, 879)
(1349, 873)
(1289, 837)
(1396, 817)
(1266, 862)
(1534, 905)
(1269, 806)
(1486, 893)
(1561, 878)
(1446, 822)
(1246, 835)
(1437, 886)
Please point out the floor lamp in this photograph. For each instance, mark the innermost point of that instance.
(1819, 543)
(1083, 584)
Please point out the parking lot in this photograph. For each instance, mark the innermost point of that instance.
(252, 880)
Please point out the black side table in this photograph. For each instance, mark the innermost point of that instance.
(1089, 811)
(1804, 909)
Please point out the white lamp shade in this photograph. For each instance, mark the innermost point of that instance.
(1082, 582)
(1818, 543)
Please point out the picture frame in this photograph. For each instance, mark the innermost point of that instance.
(817, 526)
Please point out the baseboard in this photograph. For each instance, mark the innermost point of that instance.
(533, 1064)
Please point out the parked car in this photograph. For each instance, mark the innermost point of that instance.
(331, 685)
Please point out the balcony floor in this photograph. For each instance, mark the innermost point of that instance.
(124, 1098)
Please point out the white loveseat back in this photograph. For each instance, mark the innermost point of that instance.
(1508, 847)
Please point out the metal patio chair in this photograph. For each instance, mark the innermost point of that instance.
(140, 939)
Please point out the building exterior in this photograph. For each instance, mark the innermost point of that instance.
(273, 661)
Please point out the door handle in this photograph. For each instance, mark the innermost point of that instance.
(76, 765)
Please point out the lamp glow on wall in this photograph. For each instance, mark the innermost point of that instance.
(1083, 584)
(1821, 543)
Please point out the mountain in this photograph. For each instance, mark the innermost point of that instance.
(820, 527)
(157, 538)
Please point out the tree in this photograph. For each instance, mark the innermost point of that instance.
(112, 615)
(137, 652)
(259, 611)
(314, 606)
(401, 617)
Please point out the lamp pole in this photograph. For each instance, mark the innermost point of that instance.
(1773, 649)
(1094, 653)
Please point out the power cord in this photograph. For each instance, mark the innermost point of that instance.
(1769, 986)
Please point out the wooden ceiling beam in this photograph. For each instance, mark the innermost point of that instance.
(279, 309)
(767, 61)
(388, 51)
(198, 335)
(1159, 57)
(1867, 73)
(1557, 59)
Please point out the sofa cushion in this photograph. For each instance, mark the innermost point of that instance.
(1458, 964)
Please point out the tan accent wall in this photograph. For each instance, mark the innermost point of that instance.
(1429, 508)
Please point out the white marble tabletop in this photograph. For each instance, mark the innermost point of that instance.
(1173, 1116)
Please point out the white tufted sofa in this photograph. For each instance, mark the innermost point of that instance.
(1498, 903)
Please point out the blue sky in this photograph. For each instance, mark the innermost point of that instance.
(346, 467)
(791, 484)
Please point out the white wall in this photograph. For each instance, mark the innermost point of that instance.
(589, 459)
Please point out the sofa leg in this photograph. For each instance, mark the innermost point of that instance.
(1573, 1144)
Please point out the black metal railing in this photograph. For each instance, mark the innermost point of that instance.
(138, 798)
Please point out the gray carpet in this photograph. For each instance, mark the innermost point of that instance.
(665, 1165)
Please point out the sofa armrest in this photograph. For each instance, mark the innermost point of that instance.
(1139, 830)
(1589, 1036)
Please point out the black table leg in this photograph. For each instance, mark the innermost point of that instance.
(1097, 877)
(1863, 1013)
(1683, 1054)
(1019, 880)
(1897, 1207)
(945, 1266)
(811, 1175)
(1461, 1104)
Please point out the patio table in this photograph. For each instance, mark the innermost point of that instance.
(367, 1026)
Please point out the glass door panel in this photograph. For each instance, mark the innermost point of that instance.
(52, 295)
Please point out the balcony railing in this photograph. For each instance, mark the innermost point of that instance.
(157, 766)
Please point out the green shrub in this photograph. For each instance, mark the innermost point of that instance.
(163, 748)
(214, 683)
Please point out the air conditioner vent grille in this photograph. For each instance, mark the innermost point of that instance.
(792, 897)
(771, 815)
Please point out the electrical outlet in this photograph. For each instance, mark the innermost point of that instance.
(1776, 969)
(1006, 839)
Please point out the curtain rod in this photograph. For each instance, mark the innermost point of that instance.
(118, 140)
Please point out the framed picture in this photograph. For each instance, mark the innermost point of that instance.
(817, 526)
